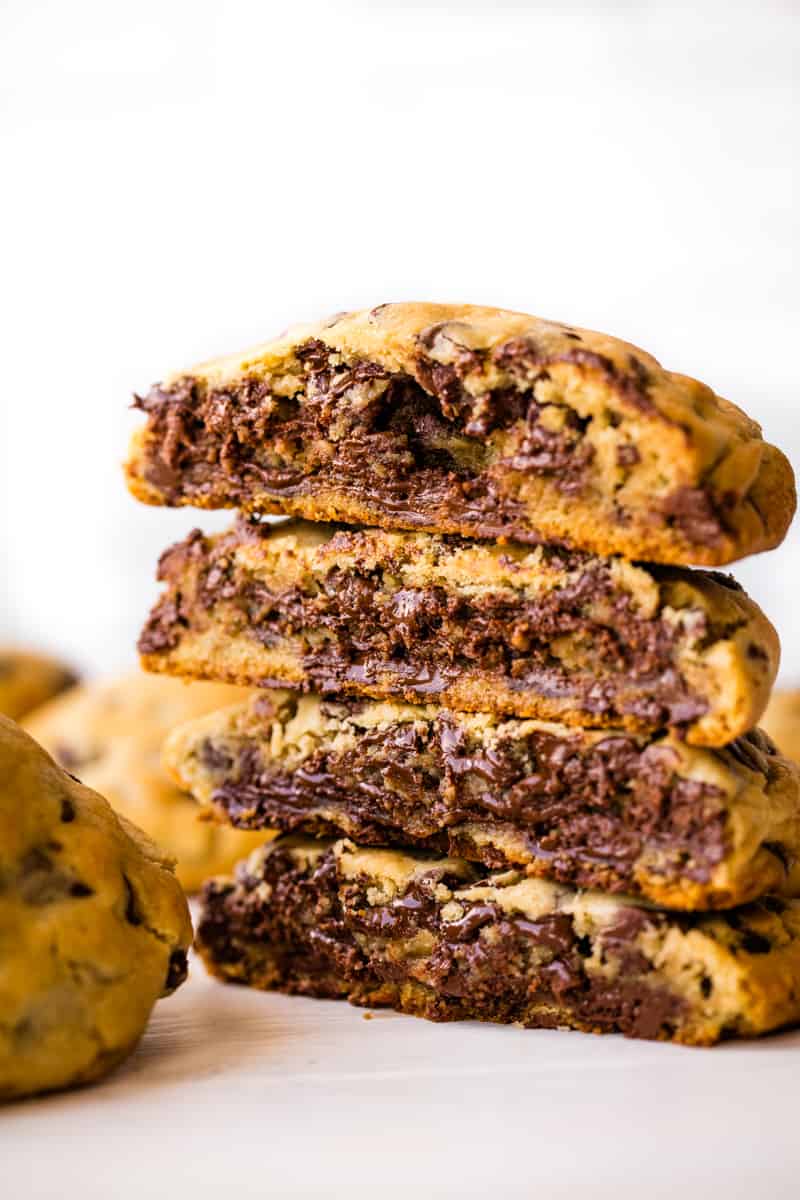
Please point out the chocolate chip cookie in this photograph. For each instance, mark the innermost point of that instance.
(684, 827)
(28, 679)
(94, 927)
(534, 632)
(110, 733)
(478, 421)
(441, 938)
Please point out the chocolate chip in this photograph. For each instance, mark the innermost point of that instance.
(132, 914)
(627, 455)
(216, 758)
(755, 943)
(583, 945)
(42, 881)
(553, 931)
(177, 970)
(691, 511)
(474, 919)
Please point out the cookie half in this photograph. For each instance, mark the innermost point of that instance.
(684, 827)
(110, 733)
(532, 632)
(438, 938)
(478, 421)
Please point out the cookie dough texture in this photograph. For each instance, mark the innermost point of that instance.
(28, 679)
(94, 926)
(438, 938)
(478, 421)
(685, 827)
(531, 632)
(110, 733)
(782, 721)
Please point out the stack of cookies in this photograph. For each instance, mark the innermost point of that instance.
(508, 735)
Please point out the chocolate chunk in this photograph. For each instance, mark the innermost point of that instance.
(692, 511)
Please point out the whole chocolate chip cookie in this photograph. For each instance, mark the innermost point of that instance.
(109, 733)
(94, 926)
(479, 421)
(28, 679)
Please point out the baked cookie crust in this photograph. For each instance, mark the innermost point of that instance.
(533, 632)
(683, 827)
(94, 926)
(438, 938)
(470, 420)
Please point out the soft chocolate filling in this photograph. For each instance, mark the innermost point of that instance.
(424, 437)
(589, 812)
(423, 639)
(325, 938)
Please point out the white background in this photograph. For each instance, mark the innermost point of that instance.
(182, 179)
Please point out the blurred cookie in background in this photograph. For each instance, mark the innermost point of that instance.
(28, 679)
(109, 734)
(782, 721)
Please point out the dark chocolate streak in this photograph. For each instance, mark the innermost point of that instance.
(588, 813)
(326, 940)
(423, 639)
(426, 435)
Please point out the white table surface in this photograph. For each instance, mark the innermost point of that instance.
(239, 1093)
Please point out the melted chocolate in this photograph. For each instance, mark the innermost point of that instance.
(324, 938)
(418, 641)
(692, 511)
(241, 445)
(586, 813)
